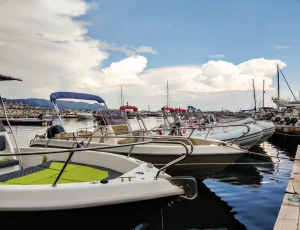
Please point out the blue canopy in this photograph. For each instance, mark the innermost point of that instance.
(70, 95)
(191, 107)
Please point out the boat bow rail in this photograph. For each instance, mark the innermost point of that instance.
(73, 150)
(209, 127)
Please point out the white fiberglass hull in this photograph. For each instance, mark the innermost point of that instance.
(44, 197)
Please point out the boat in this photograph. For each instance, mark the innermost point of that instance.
(113, 130)
(242, 132)
(27, 121)
(50, 183)
(74, 185)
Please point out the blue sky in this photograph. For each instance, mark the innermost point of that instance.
(190, 32)
(208, 50)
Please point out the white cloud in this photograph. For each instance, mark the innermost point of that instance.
(146, 49)
(45, 44)
(282, 47)
(125, 71)
(217, 56)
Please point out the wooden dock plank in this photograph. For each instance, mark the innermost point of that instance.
(289, 214)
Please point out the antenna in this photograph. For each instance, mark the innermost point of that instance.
(278, 83)
(263, 102)
(254, 95)
(167, 93)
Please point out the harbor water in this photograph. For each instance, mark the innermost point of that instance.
(246, 195)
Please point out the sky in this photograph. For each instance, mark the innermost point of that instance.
(209, 51)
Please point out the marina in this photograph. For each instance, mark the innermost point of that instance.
(147, 115)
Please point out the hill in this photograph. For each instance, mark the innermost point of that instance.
(43, 103)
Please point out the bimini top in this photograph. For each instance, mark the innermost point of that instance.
(70, 95)
(168, 109)
(124, 107)
(178, 110)
(8, 78)
(191, 107)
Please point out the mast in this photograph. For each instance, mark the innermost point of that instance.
(254, 95)
(263, 102)
(167, 93)
(122, 97)
(278, 83)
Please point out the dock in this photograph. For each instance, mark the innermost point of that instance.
(287, 129)
(289, 214)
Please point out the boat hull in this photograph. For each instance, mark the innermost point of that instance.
(27, 122)
(85, 218)
(268, 129)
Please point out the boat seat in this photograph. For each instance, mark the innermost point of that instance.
(46, 174)
(126, 141)
(8, 163)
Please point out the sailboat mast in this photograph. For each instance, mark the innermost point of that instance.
(254, 95)
(263, 102)
(278, 83)
(122, 98)
(167, 93)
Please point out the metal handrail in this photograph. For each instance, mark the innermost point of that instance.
(89, 137)
(177, 160)
(209, 126)
(170, 138)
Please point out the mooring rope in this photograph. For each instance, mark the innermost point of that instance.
(222, 163)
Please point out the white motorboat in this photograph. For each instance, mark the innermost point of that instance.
(72, 186)
(82, 116)
(239, 134)
(243, 132)
(52, 182)
(113, 130)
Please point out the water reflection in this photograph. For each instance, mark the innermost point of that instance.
(207, 211)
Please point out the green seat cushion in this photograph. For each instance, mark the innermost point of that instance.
(58, 166)
(34, 177)
(84, 174)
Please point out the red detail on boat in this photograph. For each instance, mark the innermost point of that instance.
(123, 107)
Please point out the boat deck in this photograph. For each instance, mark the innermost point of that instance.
(289, 214)
(46, 174)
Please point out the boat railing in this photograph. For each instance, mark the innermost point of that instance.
(209, 127)
(89, 138)
(73, 150)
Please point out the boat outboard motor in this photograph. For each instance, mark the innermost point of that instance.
(277, 119)
(287, 120)
(56, 129)
(294, 121)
